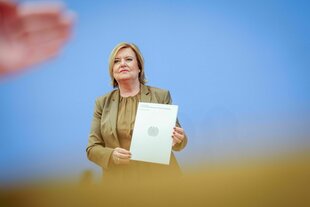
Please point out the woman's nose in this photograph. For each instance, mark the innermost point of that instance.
(123, 62)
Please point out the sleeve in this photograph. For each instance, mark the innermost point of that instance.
(96, 150)
(180, 146)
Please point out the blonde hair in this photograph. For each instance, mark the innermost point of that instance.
(139, 56)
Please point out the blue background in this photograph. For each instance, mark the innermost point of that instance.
(239, 71)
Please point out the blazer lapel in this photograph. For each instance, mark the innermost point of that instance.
(145, 94)
(113, 113)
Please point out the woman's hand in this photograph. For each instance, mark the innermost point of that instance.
(31, 33)
(121, 156)
(178, 135)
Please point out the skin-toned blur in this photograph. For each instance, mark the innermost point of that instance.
(31, 34)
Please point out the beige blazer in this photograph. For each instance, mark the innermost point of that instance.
(103, 137)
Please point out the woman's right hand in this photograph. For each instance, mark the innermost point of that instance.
(121, 156)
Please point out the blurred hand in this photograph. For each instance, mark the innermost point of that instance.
(178, 135)
(121, 156)
(31, 34)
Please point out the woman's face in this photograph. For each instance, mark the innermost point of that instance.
(125, 66)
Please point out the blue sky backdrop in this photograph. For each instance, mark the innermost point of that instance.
(239, 71)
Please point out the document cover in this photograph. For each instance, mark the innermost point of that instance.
(152, 134)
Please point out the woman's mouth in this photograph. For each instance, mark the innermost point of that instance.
(123, 71)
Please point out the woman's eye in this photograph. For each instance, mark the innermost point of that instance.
(129, 59)
(116, 61)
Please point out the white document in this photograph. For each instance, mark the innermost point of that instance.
(151, 139)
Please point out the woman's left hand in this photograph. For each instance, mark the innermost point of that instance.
(178, 135)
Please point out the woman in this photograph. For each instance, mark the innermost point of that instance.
(114, 116)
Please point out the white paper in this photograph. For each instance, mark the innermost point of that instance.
(151, 139)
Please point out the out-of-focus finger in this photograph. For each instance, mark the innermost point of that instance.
(30, 9)
(38, 17)
(45, 22)
(44, 36)
(30, 56)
